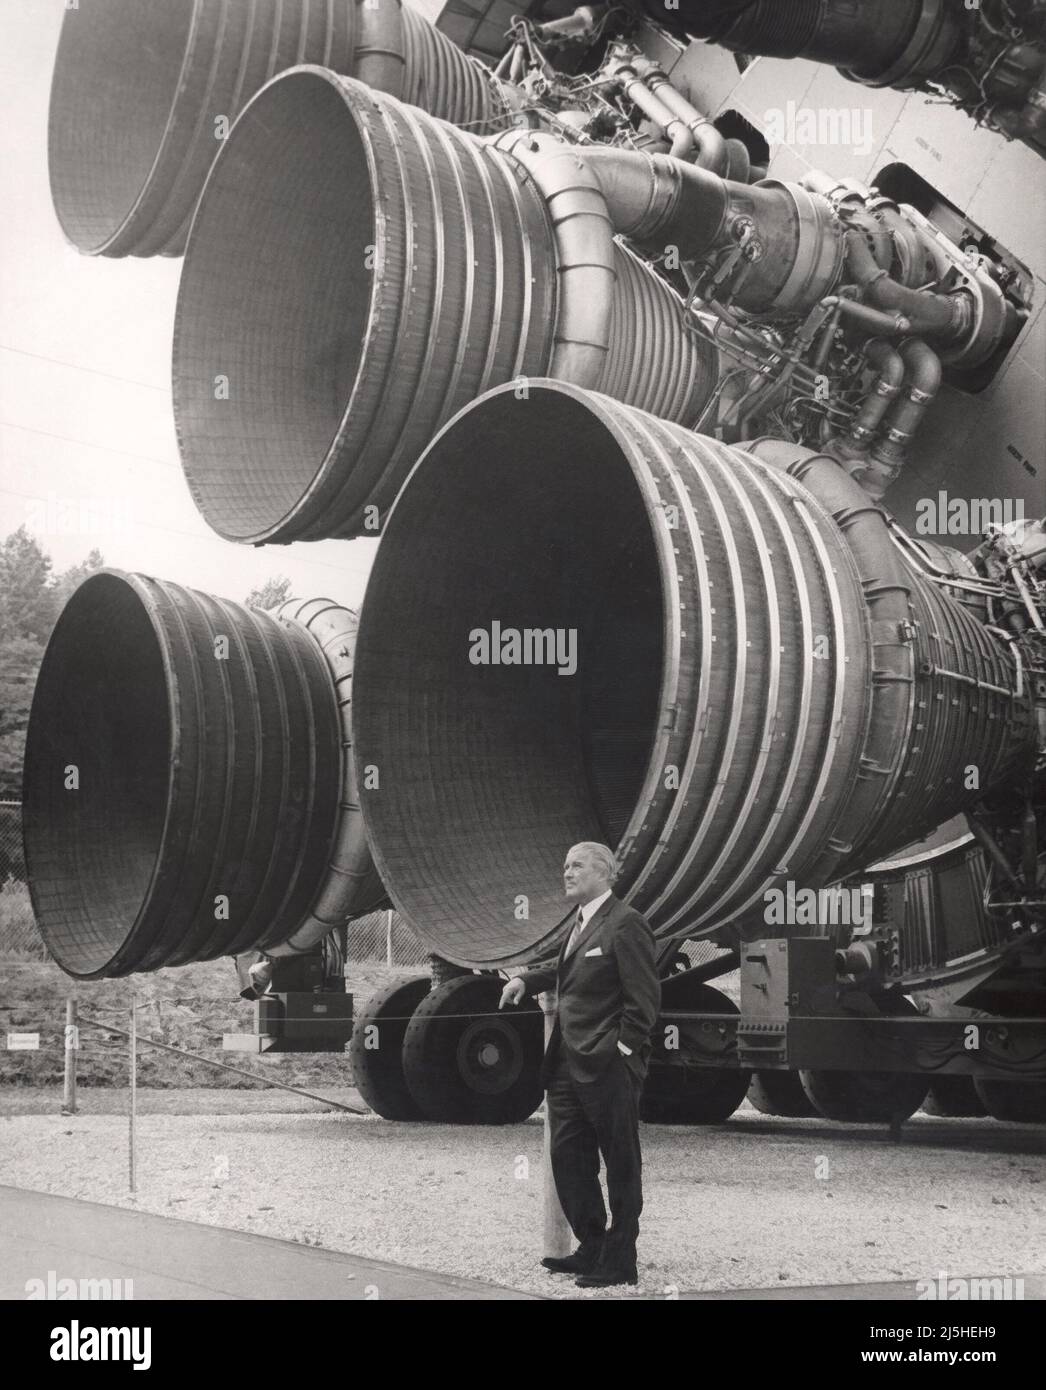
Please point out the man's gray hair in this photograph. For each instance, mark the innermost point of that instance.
(601, 855)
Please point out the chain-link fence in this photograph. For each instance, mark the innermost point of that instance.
(18, 934)
(381, 937)
(385, 937)
(12, 859)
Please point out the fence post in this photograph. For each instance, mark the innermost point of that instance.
(556, 1231)
(72, 1045)
(388, 938)
(132, 1109)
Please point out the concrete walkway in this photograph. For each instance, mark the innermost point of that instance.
(172, 1259)
(901, 1290)
(168, 1258)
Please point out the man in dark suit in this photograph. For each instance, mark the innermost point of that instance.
(608, 995)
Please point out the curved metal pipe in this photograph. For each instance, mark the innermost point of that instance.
(676, 128)
(657, 201)
(584, 247)
(617, 325)
(718, 664)
(579, 24)
(853, 446)
(739, 163)
(712, 152)
(923, 375)
(182, 782)
(380, 60)
(945, 317)
(648, 201)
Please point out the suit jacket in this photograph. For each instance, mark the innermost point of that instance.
(608, 991)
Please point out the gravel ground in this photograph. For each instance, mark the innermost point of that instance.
(734, 1205)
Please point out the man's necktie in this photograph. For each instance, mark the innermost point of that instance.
(578, 928)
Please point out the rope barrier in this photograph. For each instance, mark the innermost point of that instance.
(509, 1012)
(223, 1066)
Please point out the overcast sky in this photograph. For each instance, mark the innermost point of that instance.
(88, 455)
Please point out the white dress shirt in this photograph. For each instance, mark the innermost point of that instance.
(593, 906)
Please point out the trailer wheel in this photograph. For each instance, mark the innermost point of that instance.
(1021, 1101)
(692, 1095)
(376, 1048)
(780, 1093)
(868, 1097)
(466, 1062)
(953, 1096)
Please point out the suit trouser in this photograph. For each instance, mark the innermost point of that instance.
(586, 1119)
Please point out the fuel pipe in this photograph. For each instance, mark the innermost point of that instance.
(907, 379)
(787, 236)
(692, 135)
(637, 92)
(922, 382)
(945, 317)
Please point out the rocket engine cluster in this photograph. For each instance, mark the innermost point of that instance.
(585, 369)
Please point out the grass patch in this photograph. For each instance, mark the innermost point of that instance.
(189, 1006)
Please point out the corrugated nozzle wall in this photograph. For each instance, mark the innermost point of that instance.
(182, 782)
(584, 623)
(144, 92)
(440, 79)
(357, 272)
(653, 362)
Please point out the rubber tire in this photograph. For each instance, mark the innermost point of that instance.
(442, 1046)
(1021, 1102)
(952, 1097)
(698, 1095)
(377, 1072)
(780, 1093)
(868, 1098)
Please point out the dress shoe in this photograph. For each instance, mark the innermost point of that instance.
(578, 1263)
(601, 1278)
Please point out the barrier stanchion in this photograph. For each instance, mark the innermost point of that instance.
(556, 1232)
(72, 1047)
(132, 1109)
